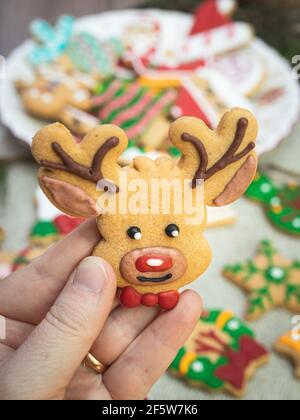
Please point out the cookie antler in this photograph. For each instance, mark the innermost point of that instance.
(203, 173)
(223, 158)
(70, 171)
(92, 173)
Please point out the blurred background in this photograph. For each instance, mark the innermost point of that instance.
(276, 21)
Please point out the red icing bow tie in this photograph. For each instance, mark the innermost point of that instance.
(130, 298)
(235, 371)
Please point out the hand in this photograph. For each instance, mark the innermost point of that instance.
(63, 306)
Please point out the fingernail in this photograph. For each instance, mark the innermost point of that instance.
(91, 275)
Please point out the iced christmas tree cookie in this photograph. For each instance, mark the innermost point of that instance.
(220, 355)
(271, 280)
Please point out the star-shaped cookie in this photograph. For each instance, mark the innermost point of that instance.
(289, 346)
(271, 280)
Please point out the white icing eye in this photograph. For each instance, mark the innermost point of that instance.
(134, 232)
(47, 98)
(172, 231)
(81, 95)
(34, 93)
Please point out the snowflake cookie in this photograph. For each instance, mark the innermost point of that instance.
(270, 279)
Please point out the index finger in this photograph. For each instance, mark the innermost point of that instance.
(28, 294)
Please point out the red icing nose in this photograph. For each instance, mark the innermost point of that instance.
(154, 263)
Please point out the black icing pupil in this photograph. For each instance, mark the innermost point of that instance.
(172, 231)
(133, 231)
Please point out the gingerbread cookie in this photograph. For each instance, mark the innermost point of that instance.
(290, 347)
(281, 202)
(222, 354)
(48, 95)
(153, 250)
(270, 279)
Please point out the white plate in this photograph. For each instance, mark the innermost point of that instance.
(276, 105)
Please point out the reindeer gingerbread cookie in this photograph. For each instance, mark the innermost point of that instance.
(154, 252)
(55, 95)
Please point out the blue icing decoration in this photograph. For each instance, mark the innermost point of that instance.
(52, 41)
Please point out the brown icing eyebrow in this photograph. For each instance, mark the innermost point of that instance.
(92, 173)
(203, 173)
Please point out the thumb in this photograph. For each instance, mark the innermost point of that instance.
(56, 348)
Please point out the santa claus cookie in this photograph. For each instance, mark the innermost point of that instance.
(289, 346)
(141, 40)
(222, 354)
(150, 239)
(213, 31)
